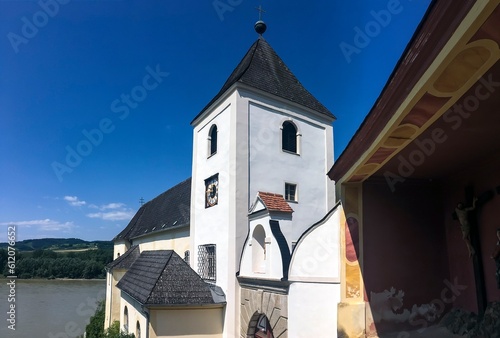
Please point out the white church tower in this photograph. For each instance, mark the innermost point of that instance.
(262, 134)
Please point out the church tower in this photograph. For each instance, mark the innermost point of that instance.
(262, 133)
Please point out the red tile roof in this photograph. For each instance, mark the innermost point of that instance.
(274, 202)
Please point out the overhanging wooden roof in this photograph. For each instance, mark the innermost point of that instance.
(455, 37)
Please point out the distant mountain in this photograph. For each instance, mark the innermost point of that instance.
(59, 244)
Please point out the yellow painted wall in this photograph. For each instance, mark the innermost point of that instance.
(135, 316)
(112, 310)
(120, 248)
(177, 240)
(186, 323)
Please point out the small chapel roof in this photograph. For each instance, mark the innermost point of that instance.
(162, 278)
(274, 202)
(168, 210)
(126, 260)
(263, 69)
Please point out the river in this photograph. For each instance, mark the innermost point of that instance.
(49, 308)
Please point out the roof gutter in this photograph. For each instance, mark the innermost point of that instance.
(177, 227)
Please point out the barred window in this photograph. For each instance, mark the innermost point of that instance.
(207, 262)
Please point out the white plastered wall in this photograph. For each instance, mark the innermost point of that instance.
(273, 261)
(224, 224)
(271, 167)
(314, 277)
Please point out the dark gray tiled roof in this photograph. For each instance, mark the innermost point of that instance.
(126, 260)
(263, 69)
(170, 209)
(161, 277)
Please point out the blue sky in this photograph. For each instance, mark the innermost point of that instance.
(96, 97)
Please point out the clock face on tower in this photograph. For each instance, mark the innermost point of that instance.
(211, 191)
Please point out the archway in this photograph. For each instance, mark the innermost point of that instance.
(259, 327)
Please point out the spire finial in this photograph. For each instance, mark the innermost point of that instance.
(260, 26)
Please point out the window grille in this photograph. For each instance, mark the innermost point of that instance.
(207, 262)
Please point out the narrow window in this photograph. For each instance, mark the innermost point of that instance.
(291, 192)
(138, 330)
(186, 256)
(207, 262)
(125, 319)
(212, 140)
(289, 137)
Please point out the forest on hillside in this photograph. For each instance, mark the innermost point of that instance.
(40, 263)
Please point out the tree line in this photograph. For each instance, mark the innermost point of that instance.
(50, 264)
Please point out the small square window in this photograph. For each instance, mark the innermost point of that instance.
(291, 192)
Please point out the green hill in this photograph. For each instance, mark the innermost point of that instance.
(59, 244)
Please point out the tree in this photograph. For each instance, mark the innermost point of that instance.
(114, 332)
(95, 329)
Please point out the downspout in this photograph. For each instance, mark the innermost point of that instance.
(146, 312)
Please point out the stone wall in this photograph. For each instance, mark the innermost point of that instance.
(256, 302)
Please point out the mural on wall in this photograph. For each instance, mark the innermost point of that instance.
(388, 306)
(353, 289)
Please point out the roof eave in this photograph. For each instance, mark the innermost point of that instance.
(324, 117)
(421, 52)
(155, 232)
(184, 306)
(208, 110)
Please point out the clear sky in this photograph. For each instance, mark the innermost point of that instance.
(96, 97)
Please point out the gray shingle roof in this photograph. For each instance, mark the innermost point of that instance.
(126, 260)
(167, 210)
(161, 277)
(263, 69)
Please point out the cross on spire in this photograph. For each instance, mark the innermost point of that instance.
(260, 11)
(141, 201)
(260, 26)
